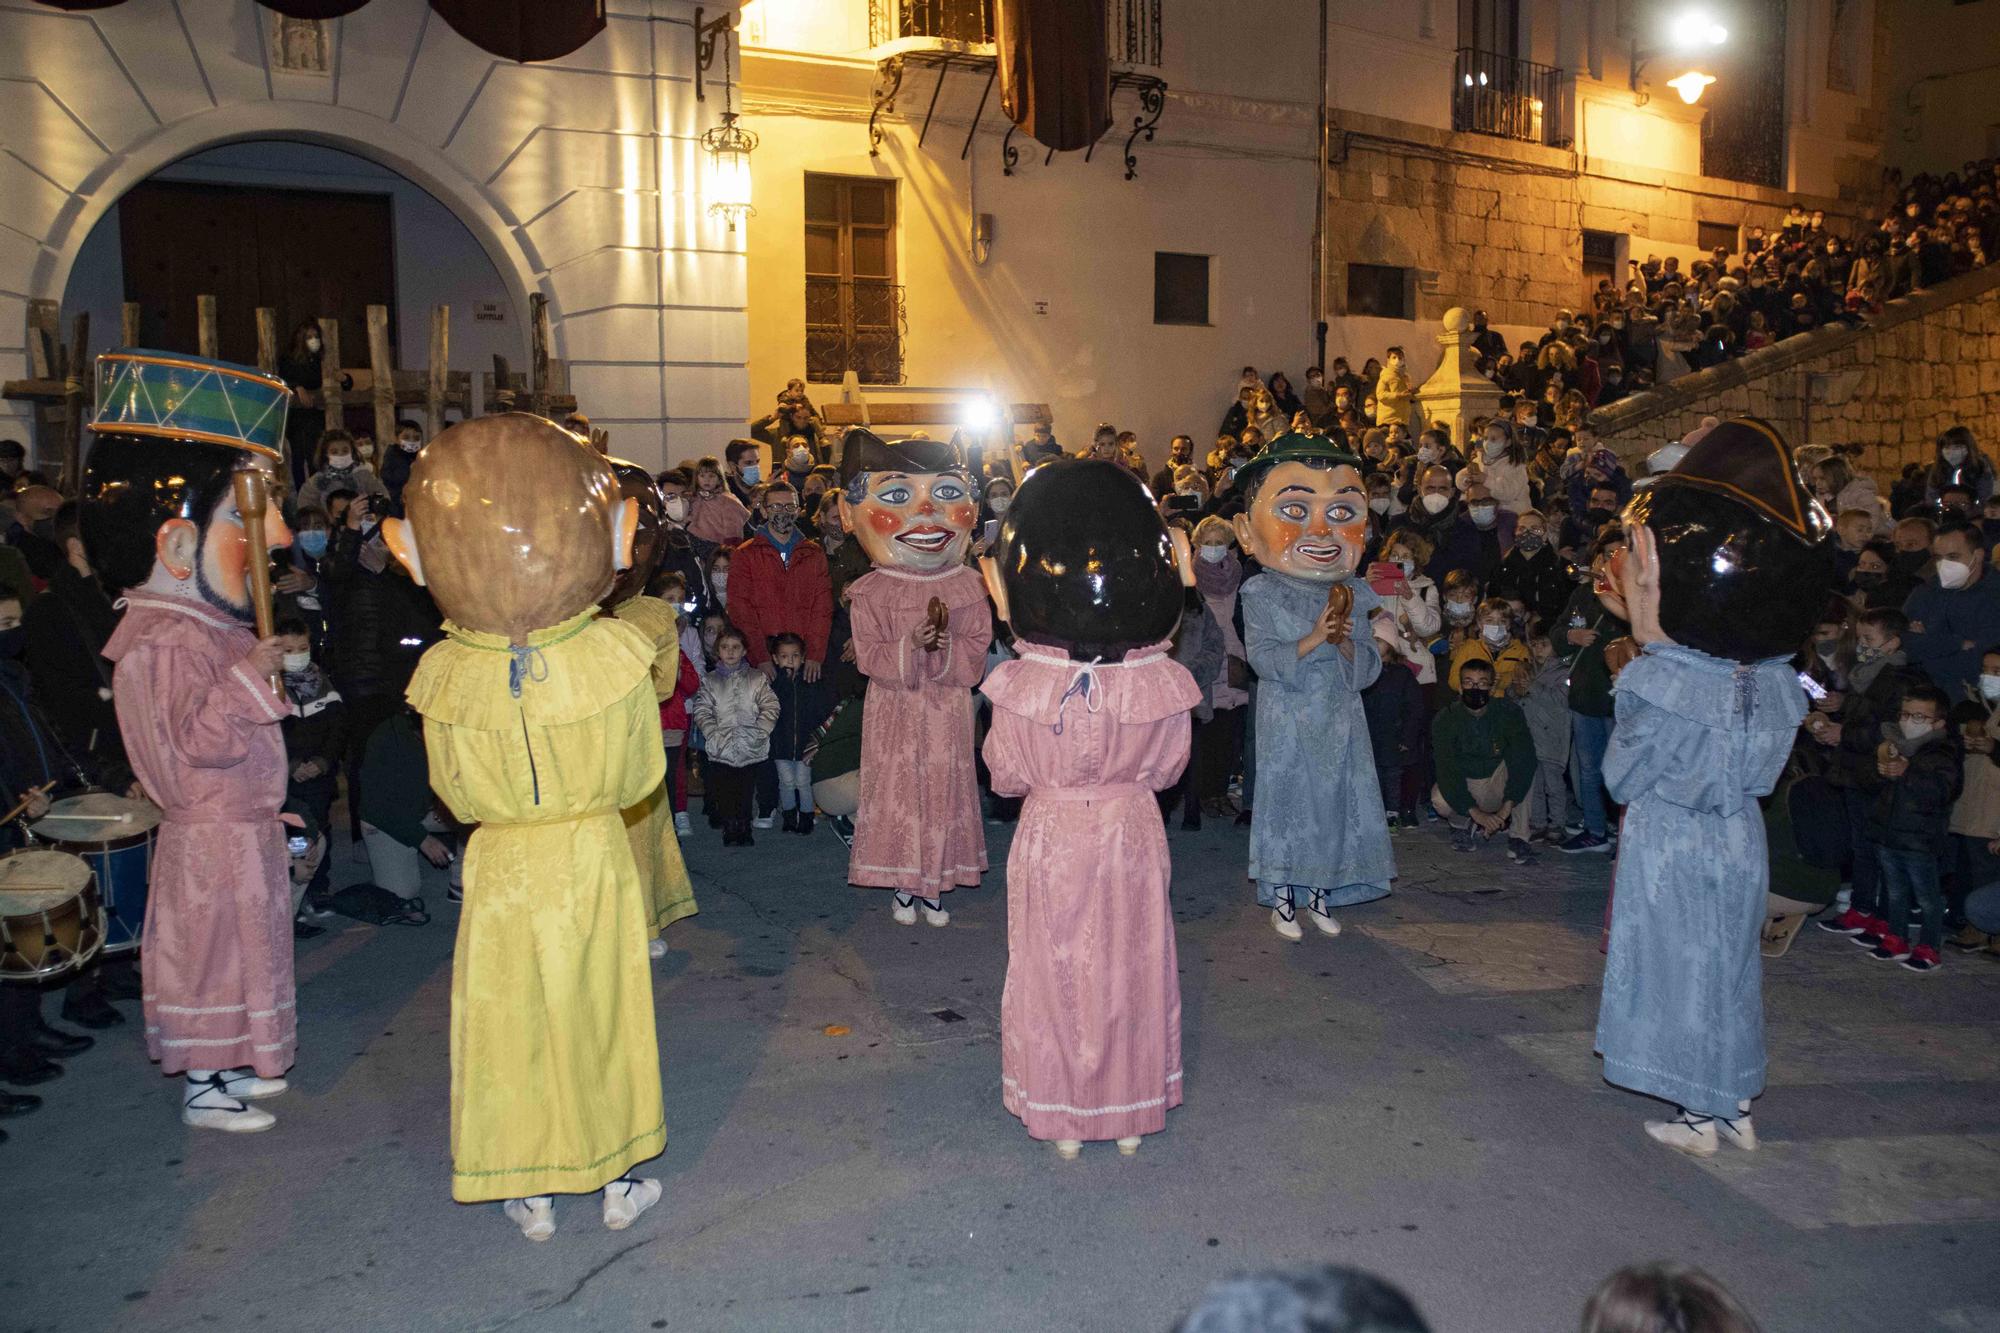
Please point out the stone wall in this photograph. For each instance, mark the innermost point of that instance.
(1928, 361)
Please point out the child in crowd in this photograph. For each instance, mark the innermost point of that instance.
(1394, 705)
(802, 706)
(736, 710)
(674, 726)
(315, 739)
(1919, 772)
(1547, 708)
(1495, 645)
(674, 592)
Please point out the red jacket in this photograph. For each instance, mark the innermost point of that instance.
(768, 596)
(674, 708)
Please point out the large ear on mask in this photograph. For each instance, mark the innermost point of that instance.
(624, 534)
(401, 540)
(1242, 525)
(996, 587)
(1183, 556)
(177, 545)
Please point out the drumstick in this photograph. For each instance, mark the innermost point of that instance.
(252, 497)
(124, 818)
(27, 801)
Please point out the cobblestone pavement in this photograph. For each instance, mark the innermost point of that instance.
(1416, 1097)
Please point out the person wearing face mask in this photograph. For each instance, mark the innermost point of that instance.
(779, 584)
(315, 741)
(1317, 398)
(746, 469)
(1217, 746)
(1878, 584)
(300, 369)
(1587, 625)
(680, 552)
(1411, 615)
(1975, 816)
(338, 470)
(1485, 758)
(1959, 462)
(1580, 529)
(395, 469)
(63, 633)
(1496, 645)
(1881, 676)
(1456, 542)
(1918, 774)
(1180, 454)
(1532, 571)
(1956, 612)
(1503, 460)
(798, 463)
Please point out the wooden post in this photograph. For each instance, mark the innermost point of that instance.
(439, 367)
(329, 378)
(538, 377)
(77, 390)
(128, 325)
(208, 339)
(380, 362)
(267, 340)
(44, 339)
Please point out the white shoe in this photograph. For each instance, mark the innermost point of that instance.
(1069, 1149)
(656, 948)
(1691, 1134)
(766, 822)
(204, 1105)
(935, 916)
(626, 1198)
(1129, 1147)
(1740, 1131)
(905, 910)
(1285, 919)
(536, 1216)
(244, 1085)
(681, 825)
(1323, 919)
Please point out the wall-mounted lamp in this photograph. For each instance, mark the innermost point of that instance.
(1690, 85)
(728, 144)
(1684, 32)
(706, 33)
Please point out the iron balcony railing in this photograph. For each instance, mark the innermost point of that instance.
(854, 324)
(1132, 27)
(1510, 99)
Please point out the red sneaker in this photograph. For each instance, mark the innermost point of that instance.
(1873, 932)
(1893, 949)
(1850, 922)
(1923, 958)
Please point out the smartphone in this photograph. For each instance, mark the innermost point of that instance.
(1812, 687)
(297, 844)
(1184, 504)
(1384, 577)
(992, 531)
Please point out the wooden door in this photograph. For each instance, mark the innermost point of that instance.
(305, 253)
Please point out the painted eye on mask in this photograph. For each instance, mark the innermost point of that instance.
(894, 495)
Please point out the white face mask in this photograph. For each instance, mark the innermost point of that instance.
(1379, 503)
(719, 582)
(312, 345)
(1409, 567)
(340, 462)
(1495, 448)
(411, 446)
(1426, 454)
(1435, 503)
(1953, 573)
(297, 662)
(1916, 728)
(1483, 515)
(1954, 455)
(799, 460)
(677, 508)
(1989, 688)
(1458, 610)
(1495, 635)
(1215, 555)
(999, 504)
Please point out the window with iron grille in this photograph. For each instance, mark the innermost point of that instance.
(854, 306)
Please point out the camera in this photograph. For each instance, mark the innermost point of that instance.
(297, 844)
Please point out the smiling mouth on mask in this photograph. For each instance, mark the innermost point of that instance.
(1320, 553)
(927, 539)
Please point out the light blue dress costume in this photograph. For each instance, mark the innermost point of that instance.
(1317, 822)
(1697, 740)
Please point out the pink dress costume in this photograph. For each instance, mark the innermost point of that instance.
(201, 731)
(1090, 1021)
(918, 828)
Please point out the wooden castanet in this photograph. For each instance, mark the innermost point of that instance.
(1339, 604)
(938, 619)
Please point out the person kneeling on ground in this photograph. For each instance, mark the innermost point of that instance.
(1485, 764)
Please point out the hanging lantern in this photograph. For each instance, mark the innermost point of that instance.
(729, 146)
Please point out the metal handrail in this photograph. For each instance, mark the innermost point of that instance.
(1132, 27)
(1510, 98)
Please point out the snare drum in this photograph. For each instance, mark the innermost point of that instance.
(114, 834)
(51, 922)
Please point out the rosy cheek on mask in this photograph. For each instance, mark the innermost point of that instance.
(1352, 535)
(961, 516)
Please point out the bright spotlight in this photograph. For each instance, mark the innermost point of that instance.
(1694, 27)
(1691, 85)
(980, 414)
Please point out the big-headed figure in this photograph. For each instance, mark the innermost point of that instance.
(921, 630)
(542, 724)
(1317, 830)
(199, 717)
(1089, 721)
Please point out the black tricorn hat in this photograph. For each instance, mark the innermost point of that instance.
(1748, 461)
(862, 450)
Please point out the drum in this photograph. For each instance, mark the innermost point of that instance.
(114, 835)
(187, 398)
(51, 923)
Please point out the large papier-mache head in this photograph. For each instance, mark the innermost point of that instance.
(1745, 564)
(515, 524)
(1307, 508)
(1083, 562)
(169, 434)
(911, 504)
(636, 486)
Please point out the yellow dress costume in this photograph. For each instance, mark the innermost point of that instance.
(555, 1063)
(650, 823)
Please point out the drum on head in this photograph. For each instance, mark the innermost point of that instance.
(114, 835)
(51, 922)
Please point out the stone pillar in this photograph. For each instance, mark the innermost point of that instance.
(1456, 392)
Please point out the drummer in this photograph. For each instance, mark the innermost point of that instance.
(32, 767)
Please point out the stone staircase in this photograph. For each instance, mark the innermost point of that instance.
(1927, 361)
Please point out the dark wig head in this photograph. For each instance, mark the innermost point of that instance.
(134, 483)
(1087, 563)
